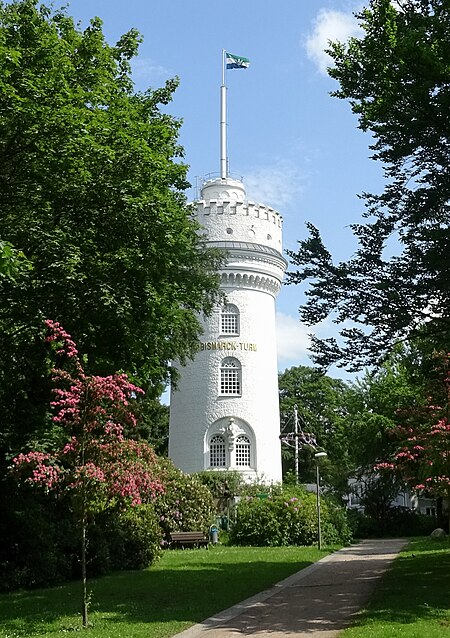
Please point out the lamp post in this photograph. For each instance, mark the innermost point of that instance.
(296, 442)
(317, 456)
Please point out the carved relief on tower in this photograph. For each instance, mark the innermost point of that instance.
(256, 282)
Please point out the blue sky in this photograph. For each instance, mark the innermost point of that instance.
(297, 148)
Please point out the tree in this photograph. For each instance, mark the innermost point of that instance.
(422, 455)
(378, 398)
(354, 421)
(92, 191)
(322, 405)
(152, 425)
(397, 79)
(92, 463)
(11, 260)
(398, 385)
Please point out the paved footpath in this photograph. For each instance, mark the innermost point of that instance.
(317, 602)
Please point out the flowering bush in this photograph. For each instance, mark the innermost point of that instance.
(287, 519)
(93, 463)
(186, 504)
(422, 458)
(94, 460)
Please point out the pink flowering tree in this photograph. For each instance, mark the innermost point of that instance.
(94, 464)
(422, 458)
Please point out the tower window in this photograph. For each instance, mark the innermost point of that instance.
(229, 320)
(230, 376)
(217, 451)
(243, 451)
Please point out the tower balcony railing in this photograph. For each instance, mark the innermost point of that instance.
(201, 180)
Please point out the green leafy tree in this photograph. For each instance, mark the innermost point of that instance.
(322, 405)
(397, 79)
(11, 260)
(92, 191)
(353, 422)
(152, 425)
(377, 399)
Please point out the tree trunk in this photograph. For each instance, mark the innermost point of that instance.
(448, 514)
(84, 608)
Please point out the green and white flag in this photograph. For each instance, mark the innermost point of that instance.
(236, 61)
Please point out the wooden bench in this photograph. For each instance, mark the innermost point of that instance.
(188, 539)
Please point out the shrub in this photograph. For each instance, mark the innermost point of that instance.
(336, 525)
(186, 505)
(257, 523)
(122, 539)
(398, 521)
(38, 543)
(222, 484)
(136, 539)
(287, 519)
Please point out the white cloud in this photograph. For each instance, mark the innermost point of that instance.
(329, 25)
(292, 341)
(398, 4)
(146, 70)
(276, 185)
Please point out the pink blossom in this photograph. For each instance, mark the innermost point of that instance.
(384, 466)
(93, 410)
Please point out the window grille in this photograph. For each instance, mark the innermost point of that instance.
(230, 376)
(229, 320)
(217, 451)
(243, 451)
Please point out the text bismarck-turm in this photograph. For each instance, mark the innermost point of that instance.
(230, 346)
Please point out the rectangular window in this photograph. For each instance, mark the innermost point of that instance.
(230, 382)
(229, 320)
(217, 452)
(243, 451)
(230, 324)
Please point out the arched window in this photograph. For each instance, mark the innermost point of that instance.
(217, 451)
(229, 320)
(243, 451)
(230, 376)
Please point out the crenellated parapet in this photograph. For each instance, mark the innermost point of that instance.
(225, 214)
(246, 209)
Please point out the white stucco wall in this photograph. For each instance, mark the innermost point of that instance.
(251, 280)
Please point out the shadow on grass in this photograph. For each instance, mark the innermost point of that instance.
(415, 589)
(197, 584)
(161, 594)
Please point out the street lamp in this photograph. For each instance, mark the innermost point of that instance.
(317, 456)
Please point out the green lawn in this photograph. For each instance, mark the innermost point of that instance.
(185, 587)
(413, 599)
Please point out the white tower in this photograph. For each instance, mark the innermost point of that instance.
(224, 414)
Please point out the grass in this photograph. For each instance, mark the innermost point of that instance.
(413, 599)
(184, 588)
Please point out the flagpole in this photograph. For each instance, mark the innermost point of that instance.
(223, 123)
